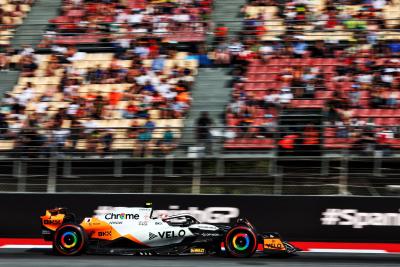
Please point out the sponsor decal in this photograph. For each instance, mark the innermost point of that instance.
(121, 216)
(171, 234)
(105, 233)
(273, 243)
(207, 227)
(197, 250)
(210, 234)
(152, 236)
(208, 215)
(359, 220)
(52, 221)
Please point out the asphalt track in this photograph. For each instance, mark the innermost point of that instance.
(44, 258)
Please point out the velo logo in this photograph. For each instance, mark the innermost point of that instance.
(152, 236)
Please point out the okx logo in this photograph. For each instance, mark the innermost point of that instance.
(152, 236)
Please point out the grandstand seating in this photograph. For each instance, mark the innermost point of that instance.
(282, 68)
(91, 22)
(12, 15)
(44, 85)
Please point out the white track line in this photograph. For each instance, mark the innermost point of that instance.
(26, 246)
(330, 250)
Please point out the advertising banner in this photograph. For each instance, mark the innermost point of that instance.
(301, 218)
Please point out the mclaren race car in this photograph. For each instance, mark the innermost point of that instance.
(133, 231)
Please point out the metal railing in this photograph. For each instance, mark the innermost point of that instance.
(192, 167)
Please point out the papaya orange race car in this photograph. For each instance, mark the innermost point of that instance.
(133, 231)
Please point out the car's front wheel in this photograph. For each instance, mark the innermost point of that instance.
(69, 240)
(240, 242)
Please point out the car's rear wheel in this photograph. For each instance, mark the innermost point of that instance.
(240, 242)
(69, 240)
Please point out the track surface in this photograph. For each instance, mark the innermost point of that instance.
(43, 258)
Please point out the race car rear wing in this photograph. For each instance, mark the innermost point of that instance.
(53, 219)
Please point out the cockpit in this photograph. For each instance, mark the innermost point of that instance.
(182, 220)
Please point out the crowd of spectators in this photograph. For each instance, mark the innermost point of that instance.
(12, 13)
(354, 80)
(119, 21)
(75, 97)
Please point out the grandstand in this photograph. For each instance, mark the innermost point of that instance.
(304, 90)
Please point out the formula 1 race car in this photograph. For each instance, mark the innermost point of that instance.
(133, 231)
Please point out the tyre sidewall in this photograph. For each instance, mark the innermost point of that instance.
(231, 251)
(82, 240)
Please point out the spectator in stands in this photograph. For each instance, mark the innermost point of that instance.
(167, 143)
(144, 145)
(221, 33)
(376, 98)
(28, 66)
(266, 51)
(221, 54)
(354, 97)
(149, 125)
(203, 125)
(235, 47)
(60, 136)
(93, 141)
(366, 143)
(285, 97)
(272, 99)
(130, 111)
(99, 105)
(76, 133)
(4, 134)
(391, 100)
(4, 62)
(90, 126)
(107, 140)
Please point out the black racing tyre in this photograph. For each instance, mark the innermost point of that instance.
(240, 242)
(69, 240)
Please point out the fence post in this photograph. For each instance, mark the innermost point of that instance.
(278, 179)
(377, 166)
(343, 178)
(19, 170)
(169, 167)
(220, 169)
(196, 182)
(67, 168)
(117, 168)
(148, 178)
(52, 177)
(324, 166)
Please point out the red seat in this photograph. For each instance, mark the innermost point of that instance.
(336, 143)
(394, 143)
(330, 132)
(323, 94)
(387, 113)
(250, 143)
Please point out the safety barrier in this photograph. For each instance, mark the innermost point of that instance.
(301, 218)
